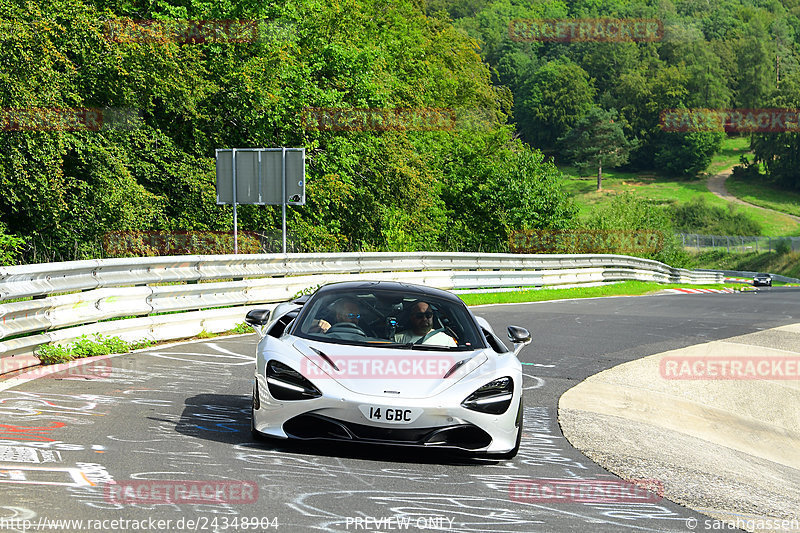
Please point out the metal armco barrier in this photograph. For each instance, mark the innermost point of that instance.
(59, 302)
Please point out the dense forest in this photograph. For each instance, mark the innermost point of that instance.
(465, 187)
(732, 54)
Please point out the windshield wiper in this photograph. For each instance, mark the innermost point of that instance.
(429, 347)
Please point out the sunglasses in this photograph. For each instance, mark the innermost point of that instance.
(420, 316)
(352, 316)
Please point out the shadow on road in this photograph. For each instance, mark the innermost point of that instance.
(226, 418)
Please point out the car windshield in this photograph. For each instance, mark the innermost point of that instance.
(388, 318)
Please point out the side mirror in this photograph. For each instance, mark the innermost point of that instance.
(257, 317)
(520, 337)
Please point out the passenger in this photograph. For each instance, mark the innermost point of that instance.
(421, 328)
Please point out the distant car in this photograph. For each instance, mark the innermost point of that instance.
(349, 363)
(762, 279)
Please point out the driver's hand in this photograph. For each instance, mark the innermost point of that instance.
(321, 325)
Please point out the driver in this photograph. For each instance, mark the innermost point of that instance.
(421, 330)
(345, 310)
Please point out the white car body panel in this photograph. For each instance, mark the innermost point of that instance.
(428, 406)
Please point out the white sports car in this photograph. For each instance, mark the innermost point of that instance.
(387, 363)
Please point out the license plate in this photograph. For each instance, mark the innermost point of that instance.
(390, 415)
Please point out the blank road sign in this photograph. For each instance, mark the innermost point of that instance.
(296, 177)
(259, 176)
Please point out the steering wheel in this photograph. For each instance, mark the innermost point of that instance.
(346, 327)
(428, 335)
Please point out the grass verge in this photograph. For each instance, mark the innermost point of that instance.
(764, 195)
(729, 155)
(626, 288)
(784, 264)
(52, 354)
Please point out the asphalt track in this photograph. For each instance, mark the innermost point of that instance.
(179, 416)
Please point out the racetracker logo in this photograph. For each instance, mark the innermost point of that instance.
(79, 370)
(68, 119)
(150, 243)
(730, 368)
(585, 241)
(181, 31)
(153, 491)
(772, 120)
(432, 366)
(378, 119)
(604, 30)
(585, 491)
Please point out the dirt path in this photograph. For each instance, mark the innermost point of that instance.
(716, 184)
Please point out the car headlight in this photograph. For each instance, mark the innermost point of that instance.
(493, 398)
(285, 383)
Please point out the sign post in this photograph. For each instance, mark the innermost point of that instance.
(261, 176)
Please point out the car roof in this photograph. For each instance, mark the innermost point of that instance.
(408, 288)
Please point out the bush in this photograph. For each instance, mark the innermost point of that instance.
(240, 328)
(686, 154)
(697, 216)
(627, 212)
(10, 246)
(51, 354)
(783, 246)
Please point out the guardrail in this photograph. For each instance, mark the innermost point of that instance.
(164, 298)
(749, 275)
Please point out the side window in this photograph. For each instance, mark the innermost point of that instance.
(279, 326)
(496, 344)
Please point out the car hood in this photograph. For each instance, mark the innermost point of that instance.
(387, 372)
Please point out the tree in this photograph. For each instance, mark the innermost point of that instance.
(552, 101)
(755, 55)
(779, 152)
(685, 153)
(597, 140)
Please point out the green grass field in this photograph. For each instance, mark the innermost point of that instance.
(664, 190)
(764, 195)
(626, 288)
(787, 264)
